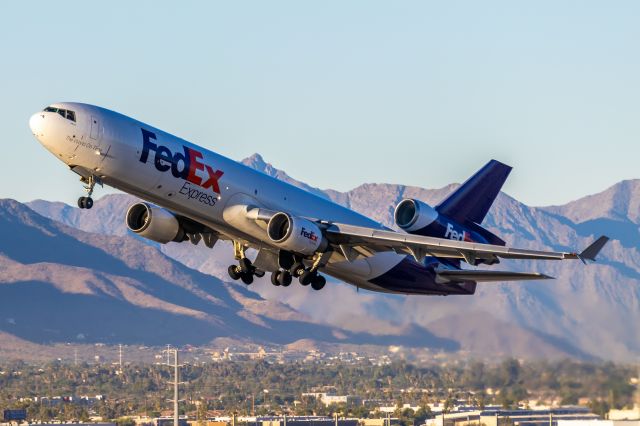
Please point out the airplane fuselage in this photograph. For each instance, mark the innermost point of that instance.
(210, 189)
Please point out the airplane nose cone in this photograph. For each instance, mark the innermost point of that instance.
(36, 124)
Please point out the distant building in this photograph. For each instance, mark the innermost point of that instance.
(207, 423)
(310, 421)
(632, 414)
(168, 421)
(72, 424)
(380, 422)
(516, 417)
(598, 422)
(393, 408)
(329, 397)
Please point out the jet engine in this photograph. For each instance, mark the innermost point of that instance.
(412, 215)
(154, 223)
(295, 234)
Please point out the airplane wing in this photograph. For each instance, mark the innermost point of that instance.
(352, 240)
(487, 276)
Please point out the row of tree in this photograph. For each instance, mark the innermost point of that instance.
(260, 387)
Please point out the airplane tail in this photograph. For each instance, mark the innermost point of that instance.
(470, 203)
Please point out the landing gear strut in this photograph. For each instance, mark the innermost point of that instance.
(87, 202)
(292, 266)
(310, 275)
(244, 270)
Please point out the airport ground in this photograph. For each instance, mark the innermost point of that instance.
(358, 388)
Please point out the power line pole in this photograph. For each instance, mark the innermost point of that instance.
(175, 389)
(120, 356)
(175, 383)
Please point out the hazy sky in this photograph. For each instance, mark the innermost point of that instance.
(340, 93)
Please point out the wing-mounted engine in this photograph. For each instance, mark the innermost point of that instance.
(162, 226)
(154, 223)
(296, 234)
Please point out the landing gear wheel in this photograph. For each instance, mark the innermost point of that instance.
(246, 278)
(307, 277)
(274, 278)
(318, 283)
(85, 202)
(233, 272)
(245, 265)
(90, 181)
(258, 273)
(284, 278)
(297, 269)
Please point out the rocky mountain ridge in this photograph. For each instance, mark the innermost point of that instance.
(588, 311)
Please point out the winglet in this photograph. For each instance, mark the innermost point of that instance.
(592, 251)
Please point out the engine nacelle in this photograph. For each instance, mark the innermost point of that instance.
(412, 215)
(296, 234)
(416, 217)
(154, 223)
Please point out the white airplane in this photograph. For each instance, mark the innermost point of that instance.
(199, 195)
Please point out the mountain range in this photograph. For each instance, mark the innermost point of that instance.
(78, 275)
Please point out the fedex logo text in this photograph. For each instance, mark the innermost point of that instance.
(183, 165)
(452, 234)
(309, 234)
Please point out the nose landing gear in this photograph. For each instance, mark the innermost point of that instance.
(87, 202)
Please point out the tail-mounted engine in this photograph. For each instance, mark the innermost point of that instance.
(414, 215)
(154, 223)
(418, 218)
(296, 234)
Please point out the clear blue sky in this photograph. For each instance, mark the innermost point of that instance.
(340, 93)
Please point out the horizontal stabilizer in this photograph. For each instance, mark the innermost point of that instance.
(470, 275)
(592, 251)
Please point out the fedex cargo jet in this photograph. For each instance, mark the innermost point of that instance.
(193, 194)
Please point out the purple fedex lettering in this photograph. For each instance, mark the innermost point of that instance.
(184, 166)
(309, 234)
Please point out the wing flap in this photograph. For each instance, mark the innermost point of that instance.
(489, 276)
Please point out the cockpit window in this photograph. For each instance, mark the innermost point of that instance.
(65, 113)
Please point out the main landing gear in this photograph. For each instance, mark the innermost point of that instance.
(87, 202)
(292, 267)
(244, 270)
